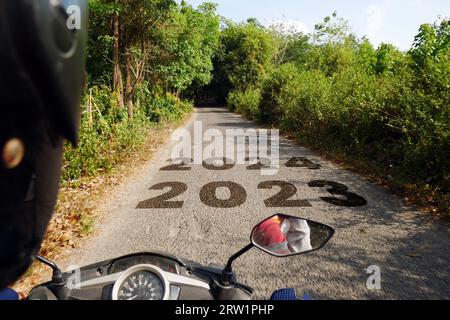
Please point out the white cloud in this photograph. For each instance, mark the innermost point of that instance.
(289, 25)
(375, 20)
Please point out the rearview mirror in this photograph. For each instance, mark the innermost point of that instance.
(282, 235)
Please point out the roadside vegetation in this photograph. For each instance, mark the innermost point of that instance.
(384, 111)
(146, 61)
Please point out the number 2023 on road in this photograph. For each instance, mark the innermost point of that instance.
(238, 194)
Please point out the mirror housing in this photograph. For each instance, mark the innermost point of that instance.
(284, 236)
(293, 235)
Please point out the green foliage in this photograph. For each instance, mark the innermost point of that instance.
(168, 108)
(388, 59)
(331, 30)
(297, 49)
(246, 56)
(332, 58)
(160, 42)
(107, 135)
(338, 93)
(245, 102)
(276, 93)
(190, 43)
(164, 50)
(100, 42)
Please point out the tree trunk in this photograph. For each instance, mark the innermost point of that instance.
(85, 82)
(117, 73)
(128, 85)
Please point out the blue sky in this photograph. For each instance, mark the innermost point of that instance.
(393, 21)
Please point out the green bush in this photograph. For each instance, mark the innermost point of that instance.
(310, 107)
(279, 90)
(107, 134)
(385, 107)
(167, 108)
(245, 102)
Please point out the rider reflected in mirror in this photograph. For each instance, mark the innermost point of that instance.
(283, 235)
(298, 236)
(269, 234)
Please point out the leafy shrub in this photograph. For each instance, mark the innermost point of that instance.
(245, 102)
(383, 106)
(167, 108)
(279, 89)
(107, 134)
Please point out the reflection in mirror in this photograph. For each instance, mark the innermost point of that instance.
(283, 235)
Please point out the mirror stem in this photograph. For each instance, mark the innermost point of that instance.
(57, 276)
(227, 274)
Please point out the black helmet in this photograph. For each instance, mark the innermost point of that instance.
(42, 53)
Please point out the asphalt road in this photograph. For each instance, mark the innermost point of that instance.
(411, 249)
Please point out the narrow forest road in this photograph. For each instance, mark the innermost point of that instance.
(411, 249)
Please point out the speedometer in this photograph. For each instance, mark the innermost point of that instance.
(142, 282)
(142, 285)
